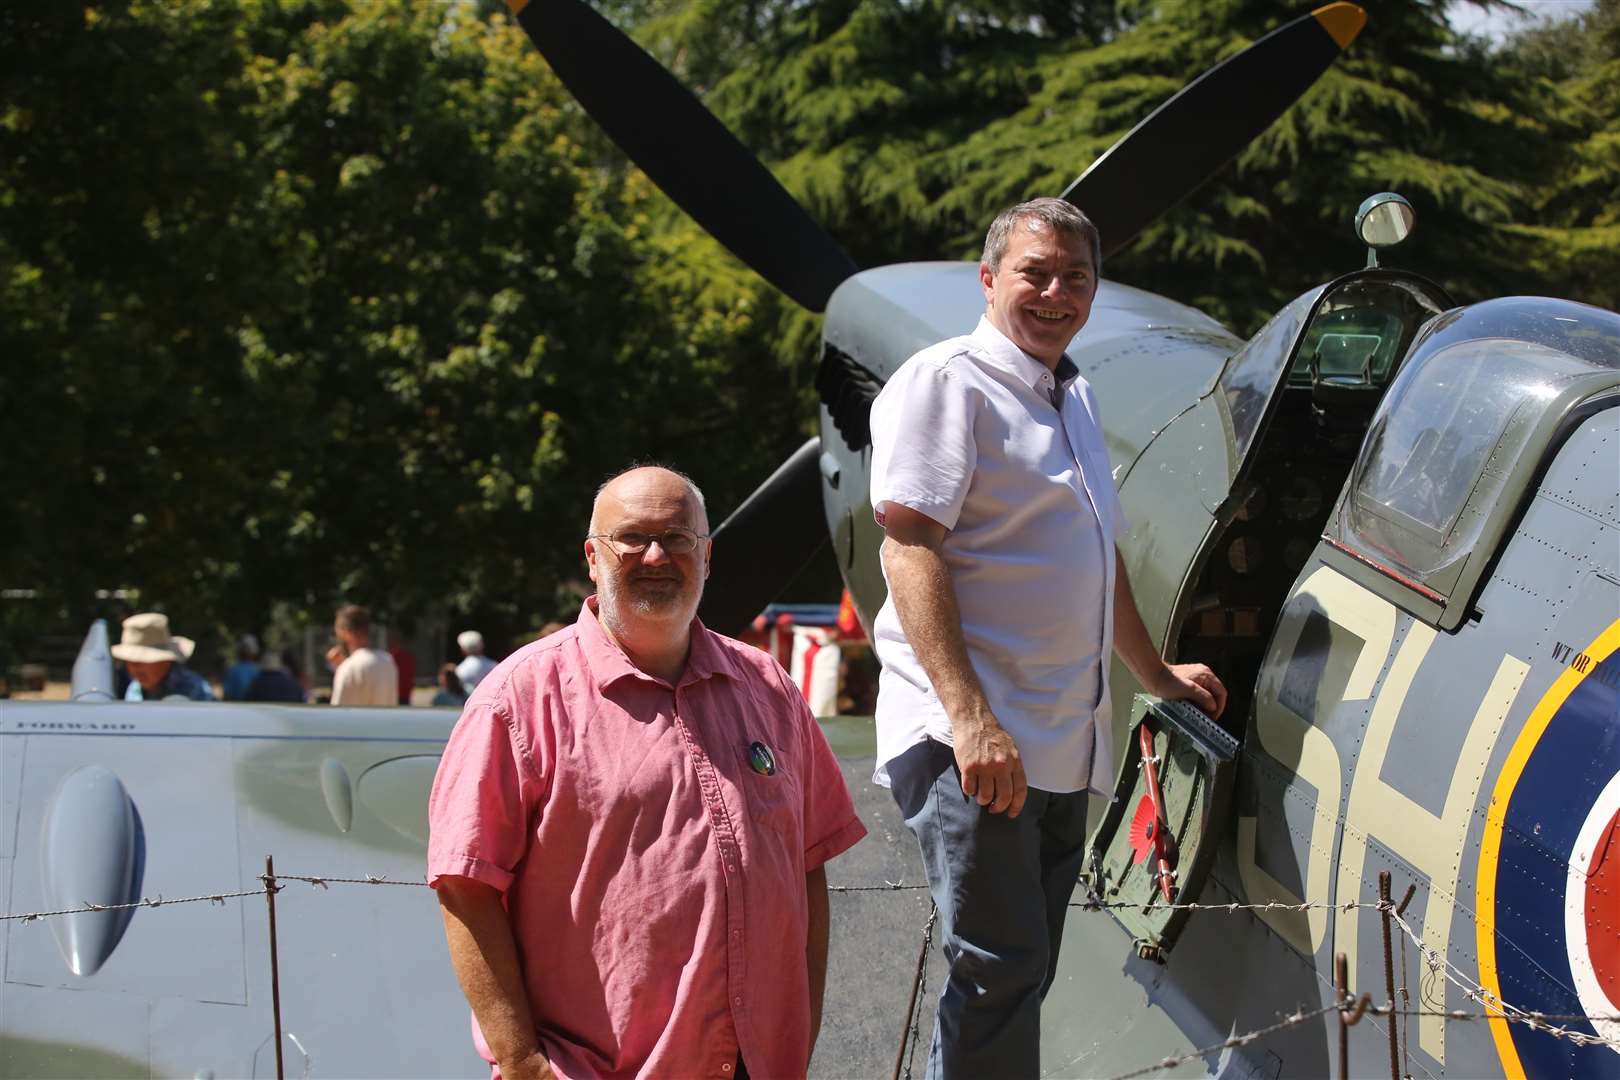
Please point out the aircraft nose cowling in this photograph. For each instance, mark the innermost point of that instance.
(89, 854)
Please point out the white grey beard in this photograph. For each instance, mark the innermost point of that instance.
(674, 604)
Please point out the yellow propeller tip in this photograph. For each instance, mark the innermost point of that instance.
(1343, 21)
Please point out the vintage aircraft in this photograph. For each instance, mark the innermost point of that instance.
(1392, 524)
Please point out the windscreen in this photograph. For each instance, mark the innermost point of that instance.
(1251, 375)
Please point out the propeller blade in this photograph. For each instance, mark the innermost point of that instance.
(1186, 140)
(685, 150)
(765, 542)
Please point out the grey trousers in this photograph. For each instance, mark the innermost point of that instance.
(1002, 886)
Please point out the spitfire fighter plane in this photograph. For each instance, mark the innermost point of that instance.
(1391, 523)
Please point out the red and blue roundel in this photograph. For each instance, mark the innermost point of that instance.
(1549, 873)
(1592, 913)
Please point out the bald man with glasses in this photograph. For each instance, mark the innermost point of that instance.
(629, 828)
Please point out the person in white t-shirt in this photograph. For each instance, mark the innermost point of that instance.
(365, 676)
(1006, 598)
(474, 664)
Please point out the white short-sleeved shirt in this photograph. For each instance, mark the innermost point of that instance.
(366, 677)
(472, 669)
(966, 433)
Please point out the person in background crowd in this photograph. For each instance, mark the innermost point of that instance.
(629, 828)
(241, 673)
(365, 676)
(405, 664)
(275, 682)
(474, 665)
(156, 661)
(450, 691)
(756, 635)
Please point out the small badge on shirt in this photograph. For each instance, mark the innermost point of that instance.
(760, 759)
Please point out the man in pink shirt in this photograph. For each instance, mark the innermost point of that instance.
(629, 828)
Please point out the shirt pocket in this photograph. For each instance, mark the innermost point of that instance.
(777, 800)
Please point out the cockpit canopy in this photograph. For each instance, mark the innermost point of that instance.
(1471, 413)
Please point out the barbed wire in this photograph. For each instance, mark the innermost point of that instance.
(1504, 1010)
(160, 900)
(1436, 965)
(323, 880)
(369, 879)
(146, 901)
(887, 886)
(1229, 908)
(1298, 1018)
(1460, 1014)
(1406, 1028)
(914, 1021)
(1293, 1020)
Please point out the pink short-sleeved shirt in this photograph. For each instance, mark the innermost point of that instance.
(654, 878)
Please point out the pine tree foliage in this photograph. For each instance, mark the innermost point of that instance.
(904, 126)
(1576, 228)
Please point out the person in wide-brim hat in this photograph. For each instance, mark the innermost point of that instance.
(147, 640)
(152, 653)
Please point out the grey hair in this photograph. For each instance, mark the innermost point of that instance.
(1059, 215)
(697, 492)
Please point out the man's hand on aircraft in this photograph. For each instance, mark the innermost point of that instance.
(1195, 683)
(992, 771)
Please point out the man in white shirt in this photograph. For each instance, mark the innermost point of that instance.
(474, 664)
(1006, 597)
(365, 676)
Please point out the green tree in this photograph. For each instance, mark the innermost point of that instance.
(314, 303)
(904, 126)
(307, 300)
(1576, 232)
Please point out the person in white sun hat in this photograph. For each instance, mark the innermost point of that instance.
(474, 665)
(156, 660)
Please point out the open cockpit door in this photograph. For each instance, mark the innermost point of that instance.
(1296, 402)
(1158, 837)
(1330, 353)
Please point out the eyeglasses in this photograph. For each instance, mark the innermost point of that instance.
(676, 541)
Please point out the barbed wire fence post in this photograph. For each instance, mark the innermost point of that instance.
(1406, 997)
(269, 880)
(1341, 983)
(1384, 906)
(910, 1033)
(1350, 1010)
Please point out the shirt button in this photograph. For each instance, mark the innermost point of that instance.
(736, 1001)
(731, 868)
(726, 1067)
